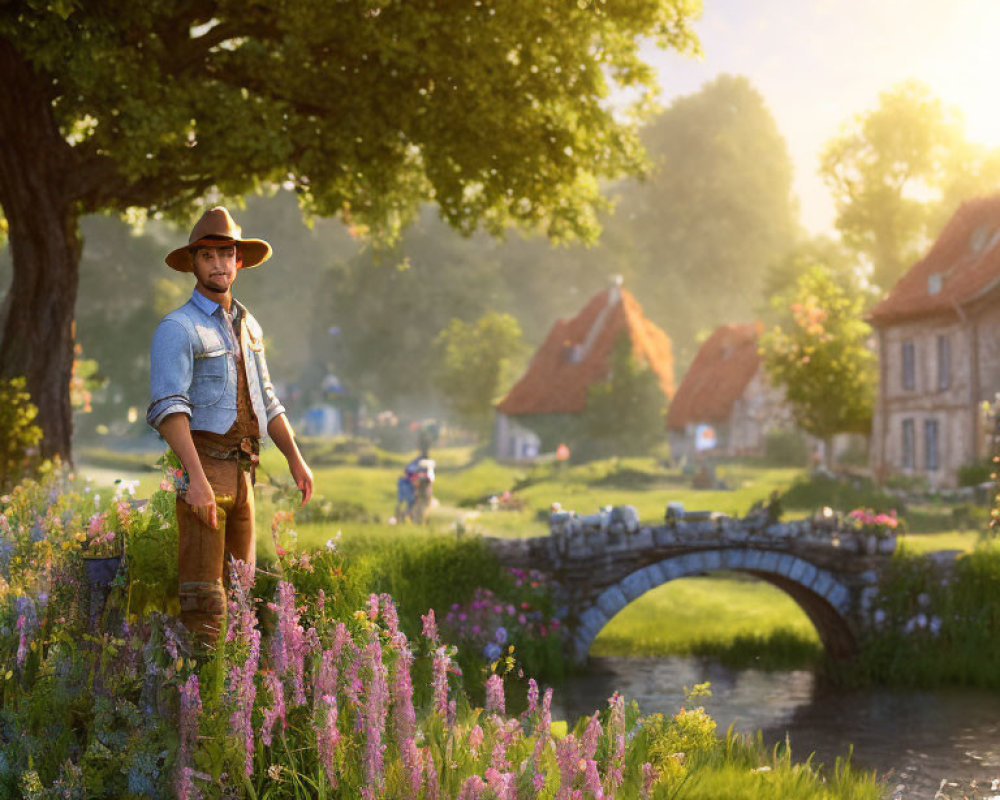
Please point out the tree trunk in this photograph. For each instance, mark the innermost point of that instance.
(35, 165)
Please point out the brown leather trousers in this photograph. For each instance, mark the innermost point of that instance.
(203, 553)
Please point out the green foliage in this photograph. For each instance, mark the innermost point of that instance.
(976, 473)
(475, 361)
(786, 448)
(18, 433)
(624, 414)
(934, 628)
(897, 171)
(817, 490)
(819, 356)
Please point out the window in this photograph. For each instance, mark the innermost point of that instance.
(944, 362)
(931, 445)
(909, 366)
(909, 444)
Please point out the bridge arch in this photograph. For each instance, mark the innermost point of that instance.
(825, 600)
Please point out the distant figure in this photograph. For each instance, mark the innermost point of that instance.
(415, 489)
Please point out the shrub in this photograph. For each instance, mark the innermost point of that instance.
(841, 493)
(975, 474)
(786, 448)
(19, 435)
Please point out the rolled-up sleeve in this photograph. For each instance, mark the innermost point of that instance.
(272, 405)
(171, 365)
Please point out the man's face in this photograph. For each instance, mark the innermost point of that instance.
(215, 267)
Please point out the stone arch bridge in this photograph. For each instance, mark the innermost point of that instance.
(603, 562)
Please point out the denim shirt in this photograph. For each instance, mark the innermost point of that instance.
(193, 367)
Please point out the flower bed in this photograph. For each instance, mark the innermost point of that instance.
(299, 699)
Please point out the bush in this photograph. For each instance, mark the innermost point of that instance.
(975, 474)
(19, 436)
(786, 448)
(840, 493)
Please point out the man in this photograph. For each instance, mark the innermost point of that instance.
(212, 401)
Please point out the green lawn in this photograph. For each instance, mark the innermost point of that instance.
(690, 615)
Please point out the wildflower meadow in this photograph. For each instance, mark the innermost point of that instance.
(102, 695)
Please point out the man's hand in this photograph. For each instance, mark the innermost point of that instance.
(201, 498)
(281, 433)
(303, 478)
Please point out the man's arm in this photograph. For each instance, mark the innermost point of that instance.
(176, 431)
(280, 431)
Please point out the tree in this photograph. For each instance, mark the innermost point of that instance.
(497, 112)
(898, 172)
(625, 413)
(820, 355)
(475, 361)
(715, 211)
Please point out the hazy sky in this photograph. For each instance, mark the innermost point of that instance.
(819, 62)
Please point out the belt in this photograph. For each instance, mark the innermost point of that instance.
(247, 451)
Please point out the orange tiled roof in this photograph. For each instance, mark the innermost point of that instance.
(556, 383)
(724, 365)
(962, 265)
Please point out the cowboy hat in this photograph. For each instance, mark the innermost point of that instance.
(215, 229)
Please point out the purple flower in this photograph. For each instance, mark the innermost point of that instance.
(501, 635)
(492, 651)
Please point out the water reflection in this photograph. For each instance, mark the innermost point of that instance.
(913, 739)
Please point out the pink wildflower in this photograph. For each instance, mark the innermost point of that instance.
(495, 700)
(327, 737)
(433, 786)
(591, 736)
(374, 722)
(276, 710)
(616, 727)
(648, 781)
(189, 713)
(568, 759)
(501, 784)
(430, 628)
(475, 740)
(406, 719)
(440, 681)
(532, 697)
(290, 643)
(472, 789)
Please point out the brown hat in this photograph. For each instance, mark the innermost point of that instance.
(215, 229)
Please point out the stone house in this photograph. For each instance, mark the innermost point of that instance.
(544, 407)
(938, 334)
(725, 403)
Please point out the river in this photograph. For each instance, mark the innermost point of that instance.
(913, 740)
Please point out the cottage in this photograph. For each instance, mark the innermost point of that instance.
(725, 403)
(938, 335)
(544, 407)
